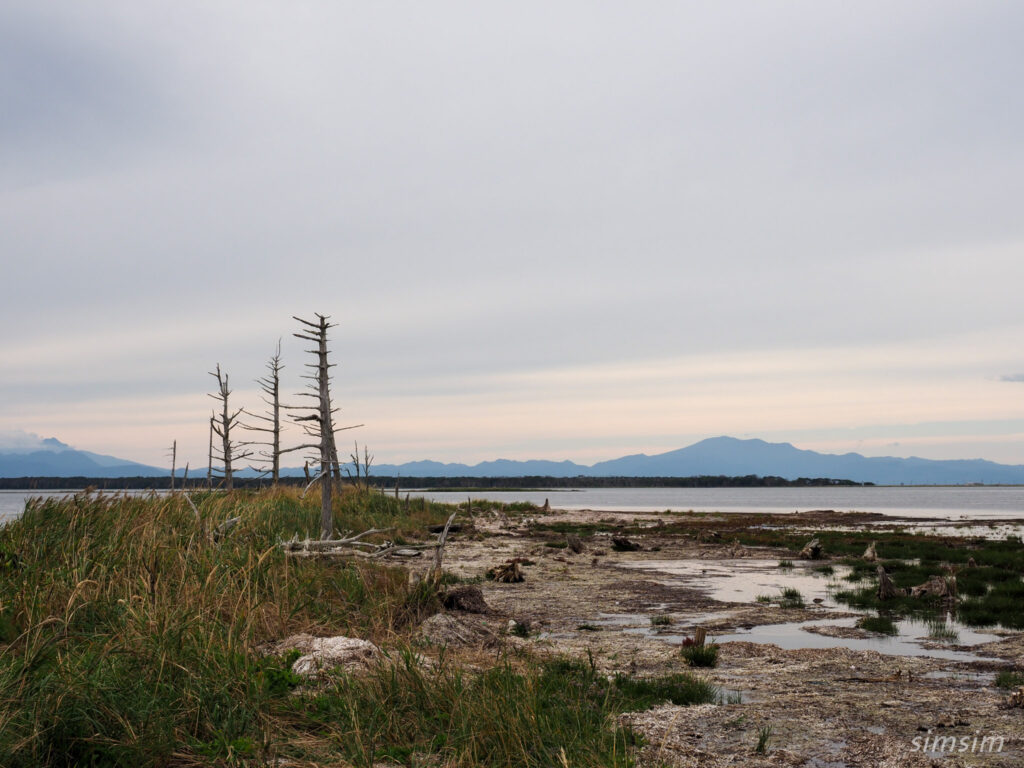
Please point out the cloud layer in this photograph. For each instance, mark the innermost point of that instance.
(574, 231)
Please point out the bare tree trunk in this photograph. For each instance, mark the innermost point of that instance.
(225, 433)
(327, 450)
(209, 466)
(174, 460)
(323, 418)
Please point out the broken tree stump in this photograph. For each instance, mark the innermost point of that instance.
(812, 550)
(467, 598)
(886, 589)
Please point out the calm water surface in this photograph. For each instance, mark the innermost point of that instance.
(947, 502)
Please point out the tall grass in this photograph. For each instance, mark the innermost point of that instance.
(130, 634)
(501, 716)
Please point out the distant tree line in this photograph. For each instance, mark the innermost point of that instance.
(584, 481)
(437, 483)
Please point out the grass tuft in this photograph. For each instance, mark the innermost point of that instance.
(700, 655)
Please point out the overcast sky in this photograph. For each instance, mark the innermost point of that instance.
(545, 230)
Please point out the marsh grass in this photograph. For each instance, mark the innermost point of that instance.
(130, 637)
(938, 629)
(1009, 679)
(790, 597)
(130, 634)
(700, 655)
(502, 716)
(882, 625)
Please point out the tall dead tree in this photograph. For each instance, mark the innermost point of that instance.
(320, 423)
(174, 461)
(271, 422)
(222, 424)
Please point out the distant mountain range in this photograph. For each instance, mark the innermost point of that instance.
(57, 459)
(714, 456)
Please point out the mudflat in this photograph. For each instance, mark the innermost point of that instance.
(798, 705)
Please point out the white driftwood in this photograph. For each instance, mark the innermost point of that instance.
(314, 545)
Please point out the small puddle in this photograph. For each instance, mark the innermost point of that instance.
(793, 635)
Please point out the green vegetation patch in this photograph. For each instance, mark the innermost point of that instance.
(503, 716)
(700, 655)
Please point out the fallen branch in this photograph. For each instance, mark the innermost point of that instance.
(324, 545)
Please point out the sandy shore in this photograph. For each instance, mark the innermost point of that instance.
(826, 707)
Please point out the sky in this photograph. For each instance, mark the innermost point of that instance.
(570, 230)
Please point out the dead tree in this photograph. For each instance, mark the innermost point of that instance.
(209, 465)
(270, 424)
(174, 461)
(362, 465)
(230, 451)
(318, 422)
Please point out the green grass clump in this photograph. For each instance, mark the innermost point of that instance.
(701, 655)
(503, 716)
(938, 629)
(791, 598)
(827, 570)
(661, 620)
(785, 564)
(764, 737)
(883, 625)
(1010, 679)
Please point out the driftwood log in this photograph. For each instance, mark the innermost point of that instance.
(936, 586)
(622, 544)
(354, 546)
(507, 573)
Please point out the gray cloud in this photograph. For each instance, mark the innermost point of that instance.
(474, 190)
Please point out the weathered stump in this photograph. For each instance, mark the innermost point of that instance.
(466, 598)
(886, 589)
(812, 550)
